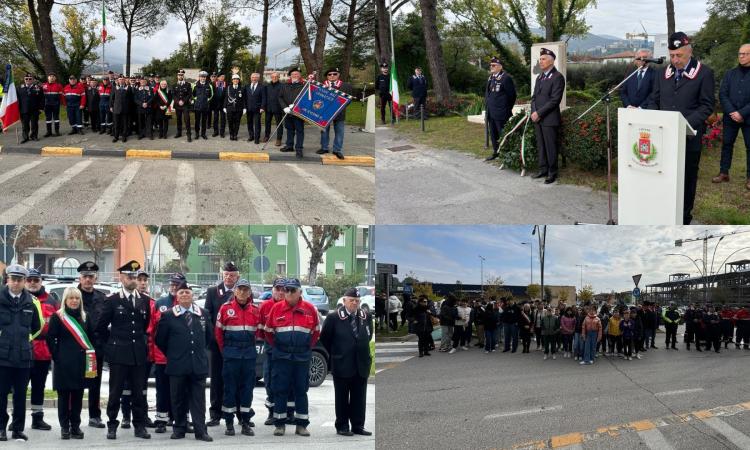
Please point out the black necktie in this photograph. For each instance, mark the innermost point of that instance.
(130, 299)
(188, 318)
(678, 77)
(353, 320)
(640, 79)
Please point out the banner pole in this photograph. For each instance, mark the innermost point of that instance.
(274, 132)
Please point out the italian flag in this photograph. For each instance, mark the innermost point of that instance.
(394, 88)
(9, 109)
(104, 23)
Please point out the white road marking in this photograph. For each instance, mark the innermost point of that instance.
(366, 174)
(393, 344)
(184, 202)
(392, 359)
(19, 170)
(107, 203)
(268, 211)
(520, 413)
(13, 214)
(655, 440)
(734, 435)
(681, 391)
(358, 214)
(394, 350)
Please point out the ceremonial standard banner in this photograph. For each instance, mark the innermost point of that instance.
(319, 105)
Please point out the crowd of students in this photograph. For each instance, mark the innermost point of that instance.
(581, 333)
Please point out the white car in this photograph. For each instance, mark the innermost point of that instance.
(56, 289)
(367, 302)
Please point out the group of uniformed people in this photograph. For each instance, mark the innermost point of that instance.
(131, 332)
(121, 106)
(709, 326)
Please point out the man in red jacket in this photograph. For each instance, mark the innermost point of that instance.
(40, 351)
(743, 327)
(75, 99)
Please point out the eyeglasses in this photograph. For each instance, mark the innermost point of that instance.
(333, 74)
(33, 280)
(290, 290)
(743, 54)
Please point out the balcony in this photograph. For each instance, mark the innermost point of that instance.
(207, 250)
(361, 251)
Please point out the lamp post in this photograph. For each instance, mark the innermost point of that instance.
(581, 266)
(531, 259)
(481, 271)
(700, 271)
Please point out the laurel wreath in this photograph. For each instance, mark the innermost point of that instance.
(649, 158)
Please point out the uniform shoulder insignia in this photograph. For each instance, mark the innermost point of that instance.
(163, 308)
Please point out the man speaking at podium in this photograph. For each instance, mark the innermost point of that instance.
(686, 85)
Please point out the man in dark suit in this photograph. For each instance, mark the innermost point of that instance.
(124, 319)
(418, 85)
(346, 335)
(255, 95)
(30, 101)
(545, 113)
(638, 88)
(183, 335)
(215, 297)
(499, 96)
(118, 105)
(686, 85)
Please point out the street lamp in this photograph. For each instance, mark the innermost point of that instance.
(531, 259)
(581, 266)
(481, 270)
(700, 271)
(276, 56)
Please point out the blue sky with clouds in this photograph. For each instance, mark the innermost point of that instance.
(612, 254)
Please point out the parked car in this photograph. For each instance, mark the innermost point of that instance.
(318, 297)
(366, 302)
(56, 288)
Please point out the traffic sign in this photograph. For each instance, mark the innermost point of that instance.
(408, 289)
(391, 269)
(636, 292)
(636, 279)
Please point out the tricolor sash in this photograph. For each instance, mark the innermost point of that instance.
(72, 325)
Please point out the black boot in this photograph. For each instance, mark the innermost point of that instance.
(49, 130)
(247, 430)
(269, 420)
(76, 433)
(57, 129)
(230, 429)
(140, 432)
(112, 429)
(126, 420)
(38, 423)
(190, 139)
(64, 433)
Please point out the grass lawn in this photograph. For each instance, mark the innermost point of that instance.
(727, 203)
(387, 333)
(372, 354)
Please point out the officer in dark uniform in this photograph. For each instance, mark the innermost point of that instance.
(273, 108)
(92, 103)
(132, 106)
(30, 102)
(346, 335)
(217, 105)
(215, 297)
(144, 98)
(499, 98)
(671, 318)
(119, 106)
(545, 113)
(203, 94)
(127, 313)
(686, 85)
(93, 301)
(20, 322)
(183, 334)
(183, 99)
(693, 324)
(734, 96)
(383, 86)
(295, 127)
(713, 329)
(418, 85)
(234, 105)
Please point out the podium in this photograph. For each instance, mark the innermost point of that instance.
(651, 166)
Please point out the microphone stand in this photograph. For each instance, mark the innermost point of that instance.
(607, 98)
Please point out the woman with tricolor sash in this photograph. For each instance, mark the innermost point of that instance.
(74, 360)
(163, 108)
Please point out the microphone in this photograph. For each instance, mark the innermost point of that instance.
(659, 60)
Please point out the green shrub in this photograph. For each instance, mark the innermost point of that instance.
(585, 142)
(511, 152)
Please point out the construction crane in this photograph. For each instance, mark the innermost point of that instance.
(644, 35)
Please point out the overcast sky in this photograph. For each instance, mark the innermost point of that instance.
(165, 41)
(617, 17)
(613, 254)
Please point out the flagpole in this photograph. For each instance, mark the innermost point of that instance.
(393, 52)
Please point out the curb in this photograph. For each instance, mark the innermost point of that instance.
(257, 157)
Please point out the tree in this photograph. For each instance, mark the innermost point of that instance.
(180, 237)
(382, 30)
(336, 285)
(352, 21)
(548, 30)
(440, 85)
(24, 238)
(312, 55)
(533, 291)
(96, 238)
(223, 41)
(563, 296)
(670, 17)
(233, 244)
(318, 240)
(727, 27)
(494, 287)
(586, 294)
(138, 18)
(189, 12)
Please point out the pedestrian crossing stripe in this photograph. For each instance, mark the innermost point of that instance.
(639, 426)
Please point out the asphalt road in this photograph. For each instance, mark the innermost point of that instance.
(322, 431)
(430, 186)
(99, 190)
(501, 400)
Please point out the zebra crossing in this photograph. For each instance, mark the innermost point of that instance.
(39, 190)
(726, 427)
(390, 354)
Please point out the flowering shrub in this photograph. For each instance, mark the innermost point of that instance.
(714, 133)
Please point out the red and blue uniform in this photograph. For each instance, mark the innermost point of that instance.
(292, 332)
(235, 332)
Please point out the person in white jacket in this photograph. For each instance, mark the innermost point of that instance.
(461, 331)
(394, 308)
